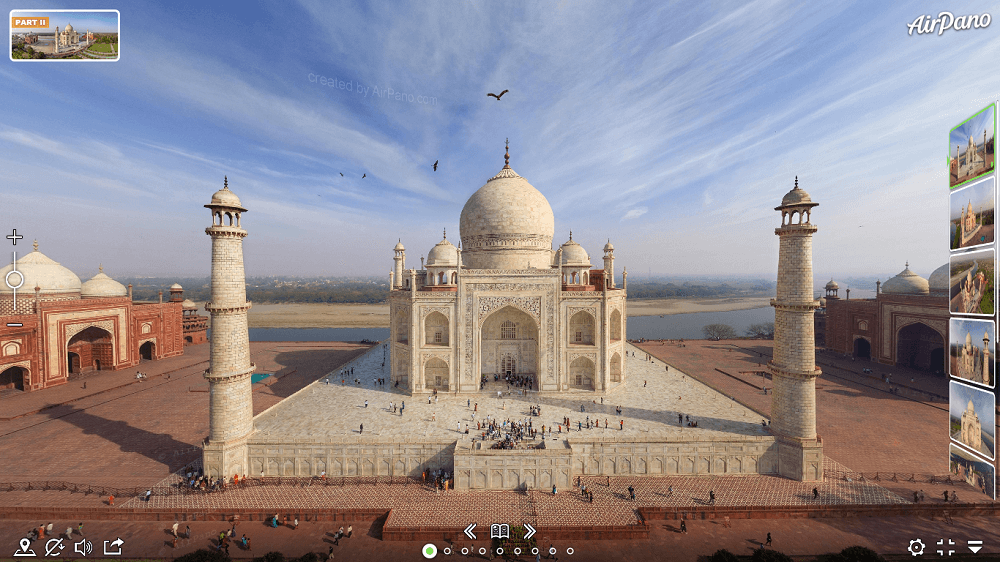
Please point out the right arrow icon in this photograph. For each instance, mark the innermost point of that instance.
(530, 533)
(468, 531)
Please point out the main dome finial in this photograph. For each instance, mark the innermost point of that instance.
(225, 182)
(506, 156)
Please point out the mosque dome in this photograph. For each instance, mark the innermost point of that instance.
(832, 285)
(38, 270)
(940, 279)
(188, 304)
(797, 196)
(573, 253)
(101, 285)
(444, 253)
(507, 224)
(906, 283)
(226, 198)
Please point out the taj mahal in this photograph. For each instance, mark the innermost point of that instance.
(505, 304)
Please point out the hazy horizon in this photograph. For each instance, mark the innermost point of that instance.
(671, 130)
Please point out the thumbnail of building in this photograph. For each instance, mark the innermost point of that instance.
(62, 326)
(905, 324)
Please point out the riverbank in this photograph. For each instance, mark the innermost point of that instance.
(323, 315)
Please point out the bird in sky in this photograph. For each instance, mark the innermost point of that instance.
(364, 175)
(496, 96)
(341, 174)
(435, 165)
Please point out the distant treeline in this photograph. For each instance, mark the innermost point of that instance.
(372, 291)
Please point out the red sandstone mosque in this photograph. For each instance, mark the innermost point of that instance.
(62, 326)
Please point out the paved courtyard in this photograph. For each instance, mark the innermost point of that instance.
(651, 400)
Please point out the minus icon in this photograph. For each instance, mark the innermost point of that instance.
(14, 325)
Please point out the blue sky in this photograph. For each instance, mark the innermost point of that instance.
(974, 127)
(671, 128)
(98, 22)
(962, 326)
(980, 194)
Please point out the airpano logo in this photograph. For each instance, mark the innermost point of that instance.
(947, 20)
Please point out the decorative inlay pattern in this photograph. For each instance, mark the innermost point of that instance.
(425, 311)
(531, 305)
(75, 329)
(574, 309)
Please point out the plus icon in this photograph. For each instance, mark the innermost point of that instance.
(14, 237)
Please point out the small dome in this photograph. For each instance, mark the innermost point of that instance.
(399, 246)
(796, 196)
(906, 283)
(822, 302)
(940, 279)
(226, 198)
(38, 270)
(832, 285)
(176, 287)
(444, 253)
(608, 247)
(101, 285)
(188, 304)
(573, 253)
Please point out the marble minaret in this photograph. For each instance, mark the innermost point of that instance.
(794, 370)
(230, 398)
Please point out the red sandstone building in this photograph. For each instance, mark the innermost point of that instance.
(905, 324)
(68, 327)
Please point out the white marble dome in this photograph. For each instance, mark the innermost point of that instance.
(939, 281)
(226, 198)
(507, 224)
(101, 285)
(574, 254)
(906, 283)
(188, 304)
(832, 285)
(444, 253)
(39, 270)
(399, 247)
(69, 27)
(797, 196)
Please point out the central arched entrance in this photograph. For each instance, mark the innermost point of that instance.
(862, 348)
(13, 378)
(918, 346)
(509, 343)
(147, 351)
(90, 349)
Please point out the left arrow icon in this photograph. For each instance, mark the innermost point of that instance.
(468, 531)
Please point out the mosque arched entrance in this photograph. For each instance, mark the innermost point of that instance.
(509, 343)
(862, 348)
(917, 346)
(90, 349)
(147, 351)
(14, 377)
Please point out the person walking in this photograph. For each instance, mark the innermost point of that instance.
(366, 403)
(684, 527)
(631, 492)
(174, 529)
(711, 497)
(79, 529)
(329, 555)
(173, 542)
(350, 530)
(815, 493)
(946, 495)
(768, 542)
(69, 533)
(362, 430)
(187, 532)
(48, 529)
(621, 424)
(553, 489)
(295, 524)
(111, 500)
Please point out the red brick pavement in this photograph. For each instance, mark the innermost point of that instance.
(137, 434)
(797, 537)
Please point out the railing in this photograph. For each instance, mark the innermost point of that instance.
(850, 475)
(182, 489)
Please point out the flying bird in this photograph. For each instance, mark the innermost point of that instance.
(341, 174)
(435, 165)
(363, 175)
(496, 96)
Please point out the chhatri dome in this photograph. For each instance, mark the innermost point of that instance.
(573, 253)
(832, 285)
(39, 270)
(939, 281)
(101, 285)
(444, 253)
(226, 198)
(797, 196)
(507, 224)
(906, 283)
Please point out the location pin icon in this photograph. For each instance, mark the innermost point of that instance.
(25, 544)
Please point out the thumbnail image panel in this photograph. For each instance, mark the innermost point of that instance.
(971, 350)
(971, 219)
(64, 35)
(973, 281)
(973, 418)
(970, 148)
(972, 469)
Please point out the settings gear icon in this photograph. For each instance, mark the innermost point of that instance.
(916, 547)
